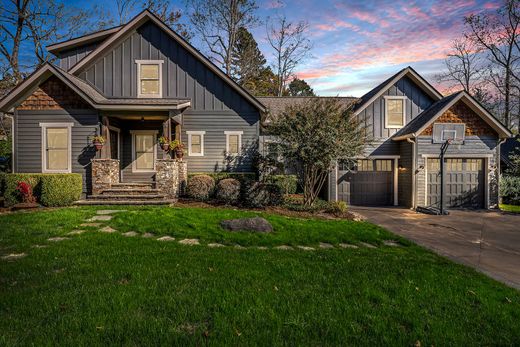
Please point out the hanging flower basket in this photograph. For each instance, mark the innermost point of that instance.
(165, 143)
(98, 142)
(177, 148)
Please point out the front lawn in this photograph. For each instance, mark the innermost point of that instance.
(106, 289)
(510, 208)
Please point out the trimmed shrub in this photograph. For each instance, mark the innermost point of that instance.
(60, 190)
(510, 189)
(68, 184)
(287, 183)
(201, 187)
(217, 176)
(261, 194)
(336, 207)
(228, 190)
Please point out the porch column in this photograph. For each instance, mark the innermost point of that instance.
(106, 153)
(167, 132)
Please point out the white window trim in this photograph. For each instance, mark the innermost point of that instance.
(44, 127)
(143, 132)
(149, 62)
(201, 133)
(394, 97)
(239, 133)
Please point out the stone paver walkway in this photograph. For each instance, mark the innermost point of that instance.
(102, 216)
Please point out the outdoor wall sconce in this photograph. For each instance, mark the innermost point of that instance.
(419, 169)
(493, 167)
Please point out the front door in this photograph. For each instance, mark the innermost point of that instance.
(144, 151)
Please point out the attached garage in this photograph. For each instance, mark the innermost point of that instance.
(366, 182)
(464, 182)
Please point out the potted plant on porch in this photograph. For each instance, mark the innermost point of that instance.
(98, 141)
(178, 148)
(165, 143)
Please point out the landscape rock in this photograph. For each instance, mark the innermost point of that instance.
(367, 245)
(215, 245)
(284, 247)
(130, 234)
(76, 232)
(255, 224)
(100, 218)
(148, 235)
(108, 229)
(347, 245)
(391, 243)
(57, 239)
(14, 256)
(306, 248)
(189, 242)
(105, 212)
(166, 238)
(325, 245)
(94, 225)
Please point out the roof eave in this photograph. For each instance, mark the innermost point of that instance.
(82, 40)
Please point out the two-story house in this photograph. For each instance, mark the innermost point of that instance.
(136, 82)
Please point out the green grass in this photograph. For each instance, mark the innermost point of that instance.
(105, 289)
(510, 208)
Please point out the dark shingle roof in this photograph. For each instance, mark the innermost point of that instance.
(277, 104)
(418, 122)
(99, 99)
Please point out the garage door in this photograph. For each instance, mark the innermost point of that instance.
(366, 182)
(464, 183)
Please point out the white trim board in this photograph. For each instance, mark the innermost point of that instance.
(44, 127)
(391, 97)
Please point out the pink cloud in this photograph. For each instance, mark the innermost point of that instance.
(336, 24)
(491, 5)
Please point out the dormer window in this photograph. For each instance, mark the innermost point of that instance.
(395, 112)
(149, 78)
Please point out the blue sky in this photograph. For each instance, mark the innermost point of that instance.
(357, 44)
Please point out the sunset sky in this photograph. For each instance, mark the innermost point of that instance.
(357, 44)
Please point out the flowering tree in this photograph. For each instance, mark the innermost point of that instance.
(314, 135)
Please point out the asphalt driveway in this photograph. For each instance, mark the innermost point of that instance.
(488, 241)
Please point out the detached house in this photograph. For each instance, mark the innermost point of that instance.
(137, 82)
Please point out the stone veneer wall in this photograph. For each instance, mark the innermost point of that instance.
(170, 177)
(105, 172)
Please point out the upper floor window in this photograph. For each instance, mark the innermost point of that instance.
(149, 78)
(394, 112)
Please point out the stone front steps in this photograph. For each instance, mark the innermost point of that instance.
(128, 193)
(93, 201)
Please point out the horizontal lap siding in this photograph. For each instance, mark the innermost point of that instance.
(28, 139)
(473, 145)
(214, 124)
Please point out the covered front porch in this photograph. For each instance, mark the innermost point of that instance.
(132, 164)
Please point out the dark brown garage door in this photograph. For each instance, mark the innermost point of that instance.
(464, 182)
(366, 182)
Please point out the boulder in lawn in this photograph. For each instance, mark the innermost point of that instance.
(255, 224)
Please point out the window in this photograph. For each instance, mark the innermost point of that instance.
(144, 150)
(196, 143)
(383, 165)
(349, 165)
(56, 147)
(233, 142)
(395, 112)
(365, 165)
(149, 78)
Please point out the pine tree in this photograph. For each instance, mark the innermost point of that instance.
(299, 87)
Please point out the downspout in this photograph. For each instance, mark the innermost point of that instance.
(414, 174)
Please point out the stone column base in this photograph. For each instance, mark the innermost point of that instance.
(170, 177)
(105, 172)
